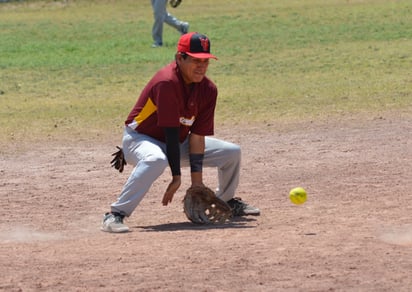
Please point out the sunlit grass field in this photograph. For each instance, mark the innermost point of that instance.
(75, 68)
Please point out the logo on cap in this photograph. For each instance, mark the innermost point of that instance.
(204, 42)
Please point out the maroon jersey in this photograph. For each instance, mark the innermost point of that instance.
(167, 101)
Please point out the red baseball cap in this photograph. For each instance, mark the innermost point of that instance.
(195, 45)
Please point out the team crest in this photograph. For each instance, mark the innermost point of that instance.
(204, 42)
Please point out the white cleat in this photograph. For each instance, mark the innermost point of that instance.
(113, 223)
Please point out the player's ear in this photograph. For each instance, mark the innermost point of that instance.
(181, 56)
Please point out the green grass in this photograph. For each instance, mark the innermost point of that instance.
(76, 68)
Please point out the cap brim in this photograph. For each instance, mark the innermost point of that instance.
(202, 55)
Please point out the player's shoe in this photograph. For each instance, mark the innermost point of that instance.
(184, 28)
(240, 208)
(157, 45)
(113, 222)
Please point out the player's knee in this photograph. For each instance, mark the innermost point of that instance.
(157, 161)
(233, 151)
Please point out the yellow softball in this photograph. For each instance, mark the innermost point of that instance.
(297, 195)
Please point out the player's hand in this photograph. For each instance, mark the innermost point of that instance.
(171, 190)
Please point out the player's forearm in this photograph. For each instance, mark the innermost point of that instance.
(173, 150)
(196, 144)
(196, 168)
(196, 155)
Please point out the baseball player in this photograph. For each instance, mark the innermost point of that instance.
(170, 126)
(161, 15)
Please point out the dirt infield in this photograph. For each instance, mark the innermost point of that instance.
(353, 234)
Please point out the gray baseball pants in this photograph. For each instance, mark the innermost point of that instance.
(161, 16)
(148, 157)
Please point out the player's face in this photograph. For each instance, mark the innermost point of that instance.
(193, 69)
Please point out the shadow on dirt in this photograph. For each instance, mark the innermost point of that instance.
(178, 226)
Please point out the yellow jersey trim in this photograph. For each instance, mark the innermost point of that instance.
(148, 109)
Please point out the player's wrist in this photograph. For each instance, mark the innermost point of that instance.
(196, 162)
(196, 178)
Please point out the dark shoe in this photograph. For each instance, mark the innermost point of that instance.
(157, 45)
(113, 222)
(184, 28)
(240, 208)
